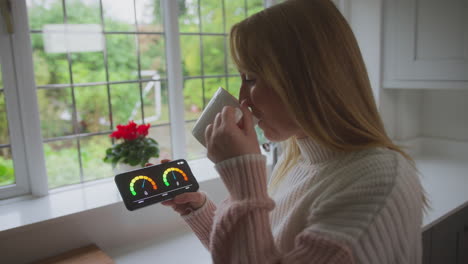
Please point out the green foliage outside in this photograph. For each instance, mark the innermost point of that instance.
(7, 172)
(93, 113)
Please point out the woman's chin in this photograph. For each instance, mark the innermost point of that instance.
(270, 134)
(267, 132)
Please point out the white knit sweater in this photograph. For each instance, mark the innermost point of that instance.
(332, 207)
(370, 199)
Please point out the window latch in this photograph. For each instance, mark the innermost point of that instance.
(5, 9)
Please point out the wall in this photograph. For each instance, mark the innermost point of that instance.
(445, 114)
(401, 112)
(412, 113)
(365, 18)
(408, 114)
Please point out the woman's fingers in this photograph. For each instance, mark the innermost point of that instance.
(182, 209)
(192, 200)
(208, 131)
(168, 203)
(217, 120)
(188, 197)
(228, 113)
(162, 161)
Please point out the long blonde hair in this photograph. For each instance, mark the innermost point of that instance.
(306, 51)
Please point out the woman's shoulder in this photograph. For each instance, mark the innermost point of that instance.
(373, 162)
(365, 180)
(370, 173)
(365, 188)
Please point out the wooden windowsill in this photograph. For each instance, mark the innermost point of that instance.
(84, 255)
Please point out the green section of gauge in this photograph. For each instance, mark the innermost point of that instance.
(166, 182)
(132, 183)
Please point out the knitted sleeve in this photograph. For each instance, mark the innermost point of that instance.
(201, 221)
(241, 231)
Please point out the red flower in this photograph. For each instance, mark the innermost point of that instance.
(116, 135)
(143, 129)
(131, 131)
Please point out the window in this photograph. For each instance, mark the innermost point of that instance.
(204, 27)
(97, 64)
(100, 63)
(18, 117)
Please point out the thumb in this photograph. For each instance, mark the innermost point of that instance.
(247, 119)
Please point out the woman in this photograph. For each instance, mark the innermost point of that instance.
(342, 192)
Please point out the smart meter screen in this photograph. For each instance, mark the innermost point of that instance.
(154, 184)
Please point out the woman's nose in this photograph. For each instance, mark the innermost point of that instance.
(243, 95)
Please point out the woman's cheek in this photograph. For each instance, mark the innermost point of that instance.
(256, 97)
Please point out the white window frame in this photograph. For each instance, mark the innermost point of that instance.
(174, 78)
(22, 108)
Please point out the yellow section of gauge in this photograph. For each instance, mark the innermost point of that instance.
(172, 170)
(135, 179)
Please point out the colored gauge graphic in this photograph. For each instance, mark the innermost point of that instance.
(172, 172)
(144, 178)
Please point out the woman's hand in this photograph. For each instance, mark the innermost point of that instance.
(225, 139)
(184, 203)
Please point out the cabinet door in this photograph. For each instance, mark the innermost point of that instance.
(426, 244)
(463, 237)
(449, 239)
(444, 241)
(426, 42)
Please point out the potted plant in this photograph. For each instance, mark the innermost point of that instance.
(136, 148)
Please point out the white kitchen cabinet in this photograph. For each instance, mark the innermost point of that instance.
(423, 95)
(425, 44)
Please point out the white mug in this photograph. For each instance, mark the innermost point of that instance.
(220, 99)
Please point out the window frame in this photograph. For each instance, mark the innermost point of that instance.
(174, 78)
(21, 107)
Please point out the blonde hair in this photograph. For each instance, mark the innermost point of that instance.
(306, 51)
